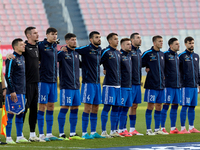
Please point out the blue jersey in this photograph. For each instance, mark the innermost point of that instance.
(48, 61)
(154, 60)
(136, 68)
(91, 57)
(126, 69)
(189, 69)
(15, 74)
(69, 69)
(110, 58)
(172, 73)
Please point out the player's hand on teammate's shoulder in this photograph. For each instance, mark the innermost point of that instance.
(10, 56)
(64, 48)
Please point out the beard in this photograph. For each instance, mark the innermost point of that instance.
(191, 49)
(73, 46)
(97, 43)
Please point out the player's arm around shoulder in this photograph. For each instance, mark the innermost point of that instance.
(82, 50)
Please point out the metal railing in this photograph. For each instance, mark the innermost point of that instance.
(66, 16)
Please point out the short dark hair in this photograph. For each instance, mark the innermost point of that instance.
(15, 42)
(133, 35)
(28, 30)
(123, 40)
(188, 39)
(110, 35)
(49, 30)
(68, 36)
(172, 40)
(156, 37)
(92, 34)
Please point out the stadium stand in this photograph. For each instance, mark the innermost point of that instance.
(168, 18)
(148, 17)
(16, 15)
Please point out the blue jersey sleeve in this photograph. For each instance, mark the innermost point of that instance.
(104, 56)
(144, 60)
(9, 73)
(60, 55)
(82, 50)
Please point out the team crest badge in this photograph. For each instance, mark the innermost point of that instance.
(196, 59)
(161, 57)
(76, 56)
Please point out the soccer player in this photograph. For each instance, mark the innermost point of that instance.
(172, 84)
(69, 86)
(111, 95)
(136, 80)
(47, 86)
(189, 70)
(91, 88)
(31, 56)
(15, 77)
(126, 83)
(153, 59)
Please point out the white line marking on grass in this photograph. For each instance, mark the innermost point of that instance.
(44, 147)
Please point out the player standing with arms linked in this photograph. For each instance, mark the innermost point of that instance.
(136, 80)
(91, 88)
(111, 95)
(189, 70)
(69, 87)
(126, 83)
(15, 77)
(153, 60)
(172, 84)
(48, 83)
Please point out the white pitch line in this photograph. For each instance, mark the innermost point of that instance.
(44, 147)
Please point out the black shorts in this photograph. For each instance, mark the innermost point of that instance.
(31, 93)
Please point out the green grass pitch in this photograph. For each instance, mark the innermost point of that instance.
(103, 143)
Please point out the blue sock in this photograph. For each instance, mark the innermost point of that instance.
(148, 118)
(73, 120)
(132, 120)
(9, 125)
(19, 123)
(85, 119)
(125, 122)
(114, 117)
(164, 115)
(191, 115)
(40, 118)
(119, 113)
(173, 115)
(61, 119)
(104, 116)
(183, 114)
(93, 122)
(157, 119)
(49, 120)
(122, 117)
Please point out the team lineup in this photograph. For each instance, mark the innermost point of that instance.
(31, 76)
